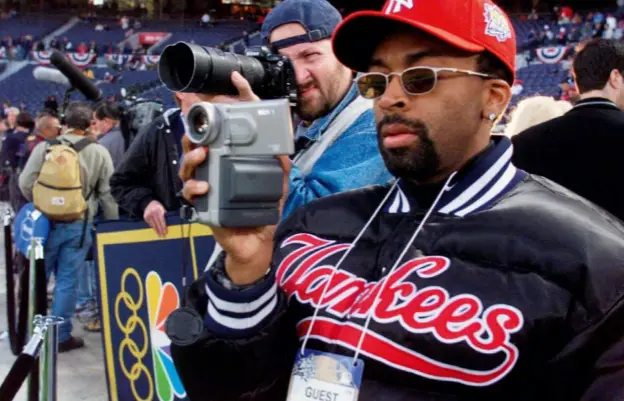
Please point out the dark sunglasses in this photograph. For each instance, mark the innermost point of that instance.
(415, 80)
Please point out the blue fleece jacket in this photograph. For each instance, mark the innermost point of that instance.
(352, 161)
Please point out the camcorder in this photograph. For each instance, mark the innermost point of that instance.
(246, 179)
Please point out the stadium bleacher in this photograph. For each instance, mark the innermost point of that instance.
(22, 88)
(85, 32)
(536, 78)
(543, 79)
(27, 25)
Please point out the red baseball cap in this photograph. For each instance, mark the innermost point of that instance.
(470, 25)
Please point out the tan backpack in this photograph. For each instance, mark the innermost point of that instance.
(57, 192)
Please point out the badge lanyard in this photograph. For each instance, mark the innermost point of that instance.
(344, 256)
(326, 376)
(394, 267)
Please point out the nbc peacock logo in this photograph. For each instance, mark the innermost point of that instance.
(162, 299)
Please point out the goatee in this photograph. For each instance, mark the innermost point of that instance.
(418, 162)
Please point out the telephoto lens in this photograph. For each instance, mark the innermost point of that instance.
(186, 67)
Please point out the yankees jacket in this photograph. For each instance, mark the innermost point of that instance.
(511, 290)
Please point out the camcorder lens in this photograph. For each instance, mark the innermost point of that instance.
(201, 122)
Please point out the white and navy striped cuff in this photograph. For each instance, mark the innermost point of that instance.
(239, 313)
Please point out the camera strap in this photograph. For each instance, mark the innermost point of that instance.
(186, 249)
(306, 159)
(186, 218)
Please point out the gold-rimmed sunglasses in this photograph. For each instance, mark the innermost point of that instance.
(415, 80)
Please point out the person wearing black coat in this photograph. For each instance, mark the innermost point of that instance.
(582, 150)
(146, 183)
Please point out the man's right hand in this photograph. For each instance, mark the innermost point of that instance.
(154, 215)
(249, 250)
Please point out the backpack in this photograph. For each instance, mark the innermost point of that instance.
(57, 192)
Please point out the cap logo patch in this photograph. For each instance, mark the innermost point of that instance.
(496, 24)
(396, 6)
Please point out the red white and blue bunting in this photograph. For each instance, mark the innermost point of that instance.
(81, 59)
(42, 57)
(78, 59)
(551, 55)
(119, 59)
(150, 61)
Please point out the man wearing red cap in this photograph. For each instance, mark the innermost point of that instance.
(464, 279)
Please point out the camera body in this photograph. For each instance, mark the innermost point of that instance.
(246, 180)
(135, 114)
(279, 81)
(186, 67)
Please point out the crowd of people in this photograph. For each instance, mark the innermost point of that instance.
(455, 264)
(565, 26)
(19, 48)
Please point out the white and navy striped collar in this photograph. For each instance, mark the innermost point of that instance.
(474, 190)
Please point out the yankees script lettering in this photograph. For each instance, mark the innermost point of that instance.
(418, 309)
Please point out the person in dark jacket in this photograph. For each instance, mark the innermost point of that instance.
(14, 147)
(14, 155)
(582, 150)
(146, 183)
(464, 279)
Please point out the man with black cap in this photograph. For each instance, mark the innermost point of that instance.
(464, 279)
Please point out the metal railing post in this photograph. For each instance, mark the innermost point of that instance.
(31, 286)
(48, 360)
(16, 336)
(35, 253)
(26, 362)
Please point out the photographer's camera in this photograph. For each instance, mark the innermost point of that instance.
(186, 67)
(246, 180)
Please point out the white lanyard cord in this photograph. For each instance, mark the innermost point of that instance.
(396, 264)
(344, 256)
